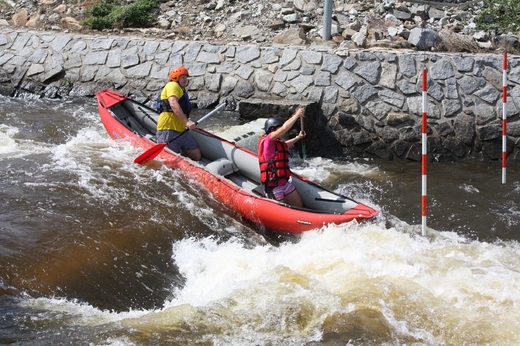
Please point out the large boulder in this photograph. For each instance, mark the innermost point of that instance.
(21, 17)
(423, 39)
(293, 37)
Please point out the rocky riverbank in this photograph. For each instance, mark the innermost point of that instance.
(448, 25)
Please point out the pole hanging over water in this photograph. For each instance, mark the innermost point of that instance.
(424, 150)
(327, 19)
(504, 119)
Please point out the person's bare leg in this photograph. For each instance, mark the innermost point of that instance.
(193, 154)
(294, 198)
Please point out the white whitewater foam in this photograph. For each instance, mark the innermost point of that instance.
(469, 188)
(7, 143)
(214, 269)
(81, 313)
(438, 290)
(318, 169)
(11, 147)
(91, 156)
(516, 187)
(511, 218)
(459, 279)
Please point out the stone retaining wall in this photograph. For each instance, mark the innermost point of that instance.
(368, 102)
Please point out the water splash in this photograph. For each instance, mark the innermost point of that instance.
(464, 283)
(444, 289)
(75, 312)
(319, 169)
(12, 147)
(469, 188)
(7, 142)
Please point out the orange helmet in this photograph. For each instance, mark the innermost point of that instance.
(176, 72)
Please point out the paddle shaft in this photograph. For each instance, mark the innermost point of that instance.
(219, 107)
(302, 128)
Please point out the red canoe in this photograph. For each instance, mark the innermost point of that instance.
(230, 173)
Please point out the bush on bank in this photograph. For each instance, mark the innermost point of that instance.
(110, 14)
(500, 15)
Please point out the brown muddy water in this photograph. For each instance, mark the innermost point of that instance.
(97, 250)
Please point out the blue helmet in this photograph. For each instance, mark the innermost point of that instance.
(272, 123)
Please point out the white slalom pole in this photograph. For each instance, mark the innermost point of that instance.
(504, 119)
(424, 151)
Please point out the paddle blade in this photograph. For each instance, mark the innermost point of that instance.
(150, 154)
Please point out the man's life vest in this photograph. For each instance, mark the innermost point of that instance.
(184, 102)
(273, 170)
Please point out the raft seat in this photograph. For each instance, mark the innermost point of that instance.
(259, 190)
(222, 167)
(151, 137)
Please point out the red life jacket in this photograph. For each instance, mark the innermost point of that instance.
(273, 170)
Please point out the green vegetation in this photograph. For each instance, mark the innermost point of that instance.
(500, 15)
(114, 14)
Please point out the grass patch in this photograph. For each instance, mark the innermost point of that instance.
(500, 15)
(4, 4)
(114, 14)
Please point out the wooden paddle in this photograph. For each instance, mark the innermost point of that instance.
(303, 153)
(151, 153)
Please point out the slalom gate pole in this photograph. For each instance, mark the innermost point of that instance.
(504, 118)
(424, 150)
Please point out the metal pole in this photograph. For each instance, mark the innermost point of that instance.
(327, 19)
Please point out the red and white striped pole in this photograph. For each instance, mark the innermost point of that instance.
(424, 150)
(504, 119)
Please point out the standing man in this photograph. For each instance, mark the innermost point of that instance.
(175, 107)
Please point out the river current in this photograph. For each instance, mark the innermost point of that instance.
(97, 250)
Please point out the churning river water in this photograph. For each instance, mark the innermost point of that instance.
(97, 250)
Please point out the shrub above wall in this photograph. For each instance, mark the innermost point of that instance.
(110, 14)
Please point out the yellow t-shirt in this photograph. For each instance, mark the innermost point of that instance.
(168, 120)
